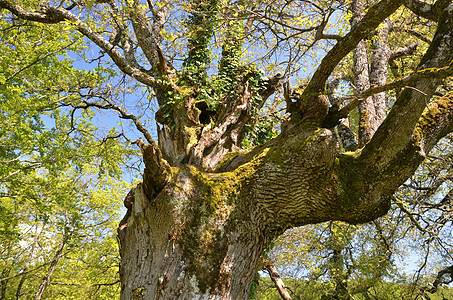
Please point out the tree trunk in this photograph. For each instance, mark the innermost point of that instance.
(196, 227)
(53, 264)
(203, 234)
(30, 258)
(184, 245)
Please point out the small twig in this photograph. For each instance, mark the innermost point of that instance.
(24, 272)
(37, 60)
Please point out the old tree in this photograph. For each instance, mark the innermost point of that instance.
(206, 208)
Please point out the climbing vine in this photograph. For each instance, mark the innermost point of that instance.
(201, 23)
(208, 91)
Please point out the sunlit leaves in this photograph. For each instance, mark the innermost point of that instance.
(60, 180)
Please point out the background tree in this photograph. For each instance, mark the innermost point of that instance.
(205, 211)
(60, 185)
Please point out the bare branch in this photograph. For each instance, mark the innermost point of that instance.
(24, 272)
(52, 15)
(275, 276)
(375, 15)
(440, 278)
(402, 52)
(406, 81)
(410, 214)
(123, 115)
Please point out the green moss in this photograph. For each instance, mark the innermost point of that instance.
(351, 179)
(364, 119)
(228, 158)
(432, 114)
(139, 293)
(215, 198)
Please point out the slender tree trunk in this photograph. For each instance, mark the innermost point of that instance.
(378, 74)
(53, 265)
(56, 258)
(340, 276)
(30, 258)
(275, 277)
(361, 77)
(4, 284)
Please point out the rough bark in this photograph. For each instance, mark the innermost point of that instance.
(361, 79)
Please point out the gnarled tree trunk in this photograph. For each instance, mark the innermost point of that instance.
(199, 232)
(204, 232)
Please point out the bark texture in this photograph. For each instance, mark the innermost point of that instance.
(202, 235)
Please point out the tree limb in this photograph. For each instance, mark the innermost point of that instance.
(275, 276)
(397, 131)
(440, 280)
(24, 272)
(421, 9)
(53, 15)
(157, 170)
(149, 39)
(123, 115)
(431, 73)
(402, 52)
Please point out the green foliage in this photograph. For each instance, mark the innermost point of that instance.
(201, 24)
(59, 183)
(315, 290)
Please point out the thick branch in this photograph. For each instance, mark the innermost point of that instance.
(147, 39)
(435, 123)
(361, 78)
(49, 16)
(421, 9)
